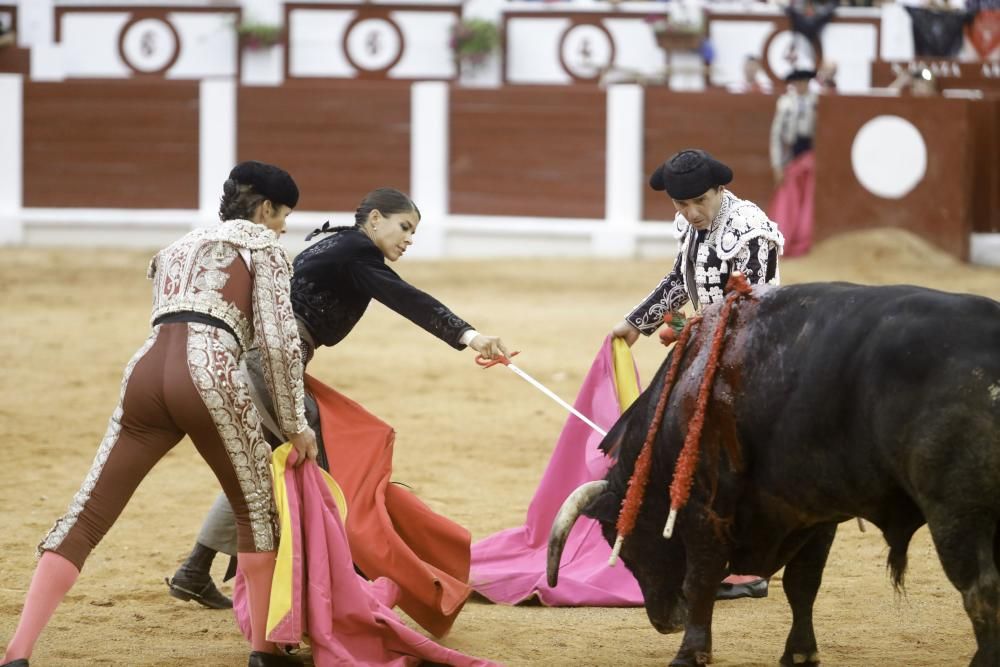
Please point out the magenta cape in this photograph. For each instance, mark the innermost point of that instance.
(792, 206)
(509, 566)
(317, 593)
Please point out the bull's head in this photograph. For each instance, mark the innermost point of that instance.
(658, 564)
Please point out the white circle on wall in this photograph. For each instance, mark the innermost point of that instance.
(373, 44)
(889, 156)
(149, 45)
(787, 51)
(586, 51)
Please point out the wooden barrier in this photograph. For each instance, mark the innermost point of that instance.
(518, 151)
(338, 139)
(986, 165)
(733, 128)
(536, 151)
(940, 206)
(111, 144)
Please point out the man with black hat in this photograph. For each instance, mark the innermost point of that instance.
(792, 161)
(719, 233)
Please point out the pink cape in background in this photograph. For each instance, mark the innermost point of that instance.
(509, 567)
(792, 205)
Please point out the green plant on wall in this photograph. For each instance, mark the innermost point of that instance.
(259, 35)
(473, 40)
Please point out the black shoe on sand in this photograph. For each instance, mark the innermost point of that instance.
(751, 589)
(202, 591)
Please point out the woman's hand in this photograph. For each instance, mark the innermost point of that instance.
(489, 347)
(626, 332)
(305, 446)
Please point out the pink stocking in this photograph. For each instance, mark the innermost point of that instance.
(258, 568)
(53, 578)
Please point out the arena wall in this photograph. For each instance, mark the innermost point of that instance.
(113, 141)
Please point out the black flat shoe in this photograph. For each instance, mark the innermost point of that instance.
(751, 589)
(261, 659)
(203, 592)
(20, 662)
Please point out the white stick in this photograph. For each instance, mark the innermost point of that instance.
(545, 390)
(668, 530)
(616, 550)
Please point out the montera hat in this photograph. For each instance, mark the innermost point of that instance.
(273, 182)
(690, 173)
(800, 75)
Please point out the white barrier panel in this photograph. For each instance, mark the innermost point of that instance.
(216, 143)
(120, 42)
(429, 164)
(11, 157)
(371, 41)
(622, 174)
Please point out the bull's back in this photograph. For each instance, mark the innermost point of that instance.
(872, 387)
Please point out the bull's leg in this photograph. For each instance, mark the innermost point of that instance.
(696, 647)
(700, 585)
(965, 544)
(803, 575)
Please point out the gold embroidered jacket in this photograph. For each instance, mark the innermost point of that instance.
(188, 275)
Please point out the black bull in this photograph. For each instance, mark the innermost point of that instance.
(831, 401)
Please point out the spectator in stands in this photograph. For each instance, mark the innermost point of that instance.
(826, 78)
(755, 79)
(915, 81)
(7, 37)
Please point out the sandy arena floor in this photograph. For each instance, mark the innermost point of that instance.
(471, 443)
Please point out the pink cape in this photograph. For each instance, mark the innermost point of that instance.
(792, 206)
(509, 566)
(348, 620)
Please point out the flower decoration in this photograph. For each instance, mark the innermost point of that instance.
(473, 40)
(259, 35)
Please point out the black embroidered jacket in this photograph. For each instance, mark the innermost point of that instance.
(740, 238)
(335, 279)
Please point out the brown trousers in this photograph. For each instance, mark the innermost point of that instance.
(184, 380)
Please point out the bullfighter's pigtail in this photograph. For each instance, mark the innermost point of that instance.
(687, 461)
(640, 474)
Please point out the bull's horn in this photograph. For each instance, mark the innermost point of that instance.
(567, 516)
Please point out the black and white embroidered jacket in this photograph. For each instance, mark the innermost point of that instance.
(740, 238)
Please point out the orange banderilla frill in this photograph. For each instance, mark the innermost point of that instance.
(687, 461)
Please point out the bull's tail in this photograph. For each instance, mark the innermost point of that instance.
(897, 562)
(898, 535)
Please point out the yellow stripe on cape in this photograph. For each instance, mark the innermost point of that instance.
(281, 582)
(626, 382)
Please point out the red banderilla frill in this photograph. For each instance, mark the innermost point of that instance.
(687, 461)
